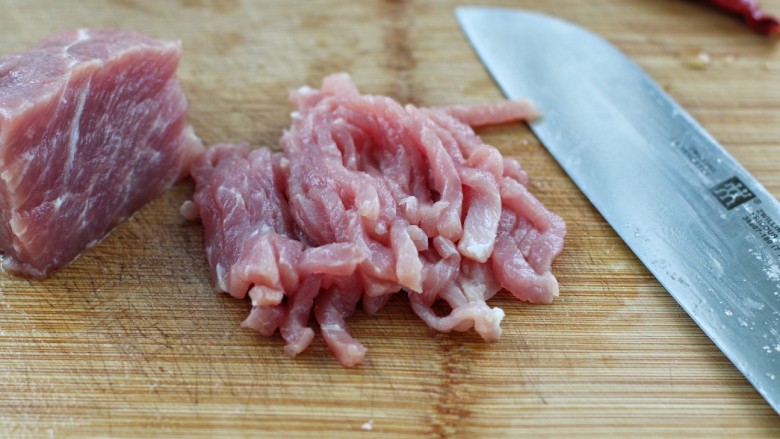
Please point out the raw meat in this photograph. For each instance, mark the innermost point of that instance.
(368, 198)
(92, 127)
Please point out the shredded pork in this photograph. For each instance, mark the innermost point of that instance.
(369, 198)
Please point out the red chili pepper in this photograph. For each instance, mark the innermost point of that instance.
(751, 12)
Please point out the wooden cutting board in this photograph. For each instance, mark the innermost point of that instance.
(131, 340)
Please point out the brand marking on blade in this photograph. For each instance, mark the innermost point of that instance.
(695, 158)
(732, 193)
(766, 228)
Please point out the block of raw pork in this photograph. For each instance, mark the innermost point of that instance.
(368, 198)
(92, 127)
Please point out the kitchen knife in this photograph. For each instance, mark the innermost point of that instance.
(697, 219)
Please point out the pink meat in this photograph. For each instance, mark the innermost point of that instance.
(92, 127)
(368, 198)
(250, 240)
(479, 115)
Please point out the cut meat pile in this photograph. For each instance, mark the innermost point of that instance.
(93, 125)
(366, 199)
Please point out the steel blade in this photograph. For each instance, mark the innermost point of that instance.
(705, 228)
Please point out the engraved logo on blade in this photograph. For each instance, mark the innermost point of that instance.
(732, 193)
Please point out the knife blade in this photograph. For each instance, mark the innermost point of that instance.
(703, 226)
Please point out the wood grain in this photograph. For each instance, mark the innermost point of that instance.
(131, 340)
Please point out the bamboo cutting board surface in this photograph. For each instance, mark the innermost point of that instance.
(131, 340)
